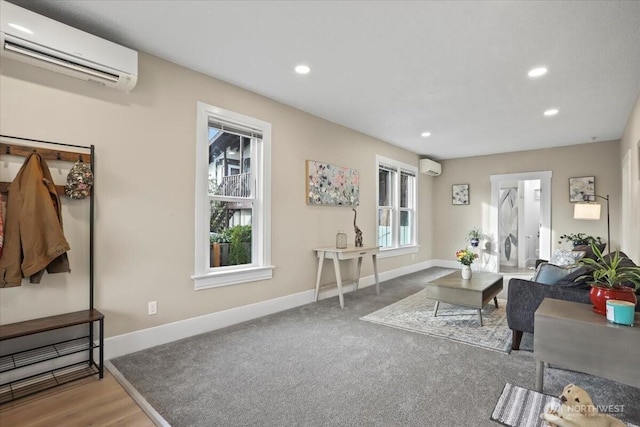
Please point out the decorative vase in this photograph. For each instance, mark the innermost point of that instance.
(474, 242)
(466, 272)
(600, 295)
(341, 240)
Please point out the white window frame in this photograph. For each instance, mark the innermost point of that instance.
(396, 249)
(260, 269)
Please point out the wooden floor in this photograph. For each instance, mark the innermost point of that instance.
(87, 402)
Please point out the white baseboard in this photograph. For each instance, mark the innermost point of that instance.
(151, 337)
(447, 263)
(370, 280)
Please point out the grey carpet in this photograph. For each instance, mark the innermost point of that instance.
(319, 365)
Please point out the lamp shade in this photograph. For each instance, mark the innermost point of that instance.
(588, 211)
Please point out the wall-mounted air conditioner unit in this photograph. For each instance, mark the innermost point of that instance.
(37, 40)
(429, 167)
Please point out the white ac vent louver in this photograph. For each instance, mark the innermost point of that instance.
(37, 40)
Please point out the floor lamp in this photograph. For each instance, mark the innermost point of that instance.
(590, 210)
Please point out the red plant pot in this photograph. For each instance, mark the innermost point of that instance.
(599, 297)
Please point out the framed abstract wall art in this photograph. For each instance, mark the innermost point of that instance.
(331, 185)
(460, 194)
(582, 189)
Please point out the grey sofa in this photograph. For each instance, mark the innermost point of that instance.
(524, 297)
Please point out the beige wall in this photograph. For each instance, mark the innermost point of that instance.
(145, 149)
(601, 160)
(630, 144)
(145, 155)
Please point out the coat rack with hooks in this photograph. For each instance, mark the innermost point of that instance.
(43, 356)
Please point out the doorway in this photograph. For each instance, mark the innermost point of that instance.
(519, 225)
(520, 221)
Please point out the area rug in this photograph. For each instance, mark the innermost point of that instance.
(456, 323)
(520, 407)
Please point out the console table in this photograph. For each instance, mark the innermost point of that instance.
(572, 336)
(338, 255)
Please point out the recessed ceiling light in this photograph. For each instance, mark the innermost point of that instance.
(425, 134)
(537, 72)
(302, 69)
(551, 112)
(21, 28)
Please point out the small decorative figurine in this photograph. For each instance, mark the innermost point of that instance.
(358, 232)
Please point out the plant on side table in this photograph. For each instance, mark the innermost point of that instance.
(580, 239)
(610, 279)
(474, 236)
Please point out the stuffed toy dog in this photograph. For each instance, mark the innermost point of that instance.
(578, 410)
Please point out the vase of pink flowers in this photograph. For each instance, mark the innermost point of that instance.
(466, 258)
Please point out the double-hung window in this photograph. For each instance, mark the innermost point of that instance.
(232, 198)
(397, 210)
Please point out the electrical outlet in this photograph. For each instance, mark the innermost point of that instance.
(413, 257)
(153, 307)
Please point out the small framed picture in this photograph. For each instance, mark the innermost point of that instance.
(460, 194)
(582, 189)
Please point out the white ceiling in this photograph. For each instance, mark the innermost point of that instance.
(395, 69)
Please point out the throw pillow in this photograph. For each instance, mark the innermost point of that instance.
(550, 274)
(565, 258)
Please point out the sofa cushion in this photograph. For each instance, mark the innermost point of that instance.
(625, 261)
(550, 274)
(569, 281)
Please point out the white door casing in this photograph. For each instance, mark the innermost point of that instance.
(545, 213)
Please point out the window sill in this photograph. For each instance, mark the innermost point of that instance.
(232, 277)
(404, 250)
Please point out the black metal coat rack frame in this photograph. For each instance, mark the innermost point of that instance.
(30, 384)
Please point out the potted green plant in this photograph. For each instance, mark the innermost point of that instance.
(579, 239)
(240, 245)
(220, 248)
(610, 278)
(474, 236)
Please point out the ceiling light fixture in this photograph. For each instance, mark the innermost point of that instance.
(537, 72)
(425, 134)
(551, 112)
(302, 69)
(21, 28)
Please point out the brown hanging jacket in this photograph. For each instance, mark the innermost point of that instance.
(33, 236)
